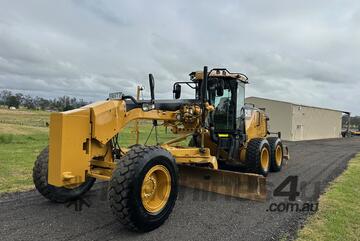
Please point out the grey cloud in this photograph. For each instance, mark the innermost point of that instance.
(303, 51)
(102, 11)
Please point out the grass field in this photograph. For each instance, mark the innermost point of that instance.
(24, 117)
(18, 150)
(338, 217)
(23, 134)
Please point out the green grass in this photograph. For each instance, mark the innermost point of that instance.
(22, 138)
(338, 217)
(24, 117)
(128, 135)
(17, 155)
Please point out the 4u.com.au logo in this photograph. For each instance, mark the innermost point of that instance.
(295, 197)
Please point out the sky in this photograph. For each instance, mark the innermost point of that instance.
(306, 52)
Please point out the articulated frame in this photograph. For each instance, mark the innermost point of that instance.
(80, 141)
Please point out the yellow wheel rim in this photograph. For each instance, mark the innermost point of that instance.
(265, 159)
(155, 190)
(278, 155)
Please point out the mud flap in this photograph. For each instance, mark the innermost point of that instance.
(235, 184)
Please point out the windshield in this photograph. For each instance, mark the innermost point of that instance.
(223, 114)
(240, 102)
(227, 113)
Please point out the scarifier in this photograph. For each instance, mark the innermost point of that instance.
(230, 150)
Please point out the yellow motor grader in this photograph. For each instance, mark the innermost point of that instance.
(226, 136)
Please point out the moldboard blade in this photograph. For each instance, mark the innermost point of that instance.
(235, 184)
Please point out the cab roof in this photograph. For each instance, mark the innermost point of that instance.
(219, 73)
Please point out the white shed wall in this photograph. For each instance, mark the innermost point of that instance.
(280, 114)
(315, 123)
(297, 122)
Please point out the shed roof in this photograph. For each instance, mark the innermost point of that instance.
(286, 102)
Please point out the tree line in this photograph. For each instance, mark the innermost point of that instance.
(64, 103)
(16, 100)
(354, 121)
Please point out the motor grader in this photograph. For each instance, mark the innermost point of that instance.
(226, 136)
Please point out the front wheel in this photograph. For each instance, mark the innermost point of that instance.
(144, 187)
(56, 194)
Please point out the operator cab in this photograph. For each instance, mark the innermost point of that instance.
(226, 92)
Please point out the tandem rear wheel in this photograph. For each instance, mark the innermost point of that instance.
(276, 154)
(264, 155)
(258, 156)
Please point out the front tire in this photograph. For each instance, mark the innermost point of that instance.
(144, 187)
(55, 194)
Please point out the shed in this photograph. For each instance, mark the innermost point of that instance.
(300, 122)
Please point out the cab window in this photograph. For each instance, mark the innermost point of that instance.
(223, 114)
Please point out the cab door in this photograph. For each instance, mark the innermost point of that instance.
(224, 113)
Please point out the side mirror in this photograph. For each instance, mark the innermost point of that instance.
(177, 91)
(220, 88)
(152, 87)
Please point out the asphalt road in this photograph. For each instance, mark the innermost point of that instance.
(196, 216)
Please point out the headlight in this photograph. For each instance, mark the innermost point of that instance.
(147, 107)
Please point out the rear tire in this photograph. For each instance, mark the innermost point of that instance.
(258, 156)
(144, 187)
(55, 194)
(276, 154)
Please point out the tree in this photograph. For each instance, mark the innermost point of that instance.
(63, 103)
(28, 102)
(12, 101)
(19, 97)
(42, 103)
(4, 95)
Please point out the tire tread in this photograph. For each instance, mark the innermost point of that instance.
(120, 187)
